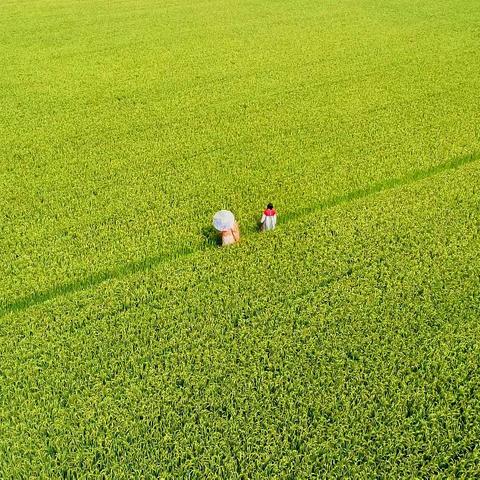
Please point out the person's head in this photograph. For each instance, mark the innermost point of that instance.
(270, 206)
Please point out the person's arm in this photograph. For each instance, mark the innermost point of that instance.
(236, 232)
(263, 218)
(274, 220)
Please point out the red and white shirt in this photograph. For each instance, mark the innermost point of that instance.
(269, 219)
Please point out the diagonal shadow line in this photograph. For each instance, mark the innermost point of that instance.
(148, 263)
(387, 184)
(93, 280)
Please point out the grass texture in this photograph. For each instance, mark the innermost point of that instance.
(342, 345)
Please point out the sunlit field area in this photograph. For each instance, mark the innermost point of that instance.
(343, 344)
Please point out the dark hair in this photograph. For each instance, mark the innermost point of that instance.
(270, 206)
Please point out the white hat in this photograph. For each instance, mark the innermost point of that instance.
(223, 220)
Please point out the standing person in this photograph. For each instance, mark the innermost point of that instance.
(269, 218)
(224, 222)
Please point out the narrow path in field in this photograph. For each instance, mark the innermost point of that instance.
(383, 185)
(148, 263)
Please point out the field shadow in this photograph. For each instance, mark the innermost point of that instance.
(93, 280)
(212, 238)
(384, 185)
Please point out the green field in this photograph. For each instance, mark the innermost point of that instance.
(345, 344)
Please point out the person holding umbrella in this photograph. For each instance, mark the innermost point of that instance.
(224, 222)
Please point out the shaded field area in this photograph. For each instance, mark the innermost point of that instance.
(344, 343)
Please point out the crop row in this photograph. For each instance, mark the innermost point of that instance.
(353, 356)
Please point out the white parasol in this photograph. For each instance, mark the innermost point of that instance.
(223, 220)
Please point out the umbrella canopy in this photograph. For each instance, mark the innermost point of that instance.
(223, 220)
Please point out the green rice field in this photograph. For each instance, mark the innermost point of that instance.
(344, 344)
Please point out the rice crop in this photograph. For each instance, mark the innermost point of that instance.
(344, 344)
